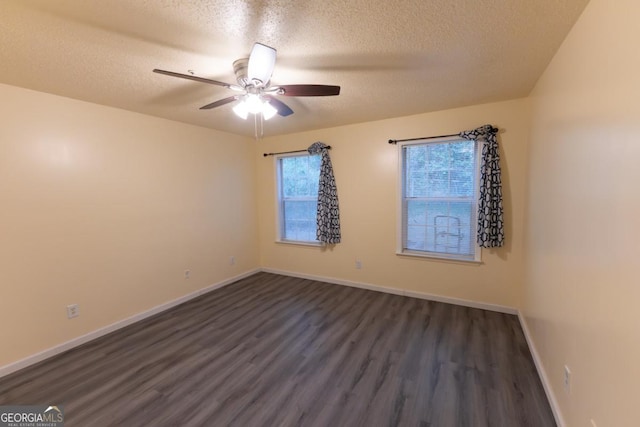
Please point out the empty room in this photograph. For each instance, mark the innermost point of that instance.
(260, 213)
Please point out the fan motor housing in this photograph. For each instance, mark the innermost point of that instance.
(240, 69)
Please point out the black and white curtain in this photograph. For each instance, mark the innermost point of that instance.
(490, 212)
(328, 213)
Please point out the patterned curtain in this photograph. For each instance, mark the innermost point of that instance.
(328, 213)
(490, 215)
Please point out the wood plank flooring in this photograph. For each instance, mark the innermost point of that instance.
(273, 350)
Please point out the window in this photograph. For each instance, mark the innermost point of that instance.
(298, 197)
(439, 186)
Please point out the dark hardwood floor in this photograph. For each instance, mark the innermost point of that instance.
(272, 350)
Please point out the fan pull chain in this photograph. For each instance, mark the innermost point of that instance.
(261, 126)
(255, 126)
(257, 136)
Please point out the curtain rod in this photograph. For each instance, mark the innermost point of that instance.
(395, 141)
(289, 152)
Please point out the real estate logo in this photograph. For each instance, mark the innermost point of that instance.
(32, 416)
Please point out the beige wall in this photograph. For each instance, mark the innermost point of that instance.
(366, 170)
(582, 283)
(106, 208)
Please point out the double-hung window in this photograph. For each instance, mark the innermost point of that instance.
(297, 178)
(439, 199)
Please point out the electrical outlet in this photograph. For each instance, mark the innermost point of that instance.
(567, 380)
(358, 264)
(187, 274)
(232, 260)
(73, 310)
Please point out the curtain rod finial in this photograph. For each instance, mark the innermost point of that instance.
(393, 141)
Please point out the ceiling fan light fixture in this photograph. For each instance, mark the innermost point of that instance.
(254, 103)
(241, 110)
(268, 110)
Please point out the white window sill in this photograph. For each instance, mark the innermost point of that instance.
(299, 243)
(437, 257)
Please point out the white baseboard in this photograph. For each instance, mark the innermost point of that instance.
(50, 352)
(396, 291)
(542, 373)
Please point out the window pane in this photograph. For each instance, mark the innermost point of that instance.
(300, 220)
(464, 233)
(298, 184)
(439, 197)
(440, 169)
(440, 227)
(416, 180)
(300, 176)
(418, 233)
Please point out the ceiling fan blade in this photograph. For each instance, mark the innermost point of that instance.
(283, 109)
(261, 63)
(220, 102)
(309, 90)
(190, 77)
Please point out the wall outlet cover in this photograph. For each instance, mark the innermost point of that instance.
(73, 310)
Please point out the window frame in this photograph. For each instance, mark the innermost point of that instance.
(280, 203)
(401, 217)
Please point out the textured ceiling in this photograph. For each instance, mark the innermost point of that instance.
(391, 58)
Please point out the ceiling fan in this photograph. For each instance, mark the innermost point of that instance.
(254, 91)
